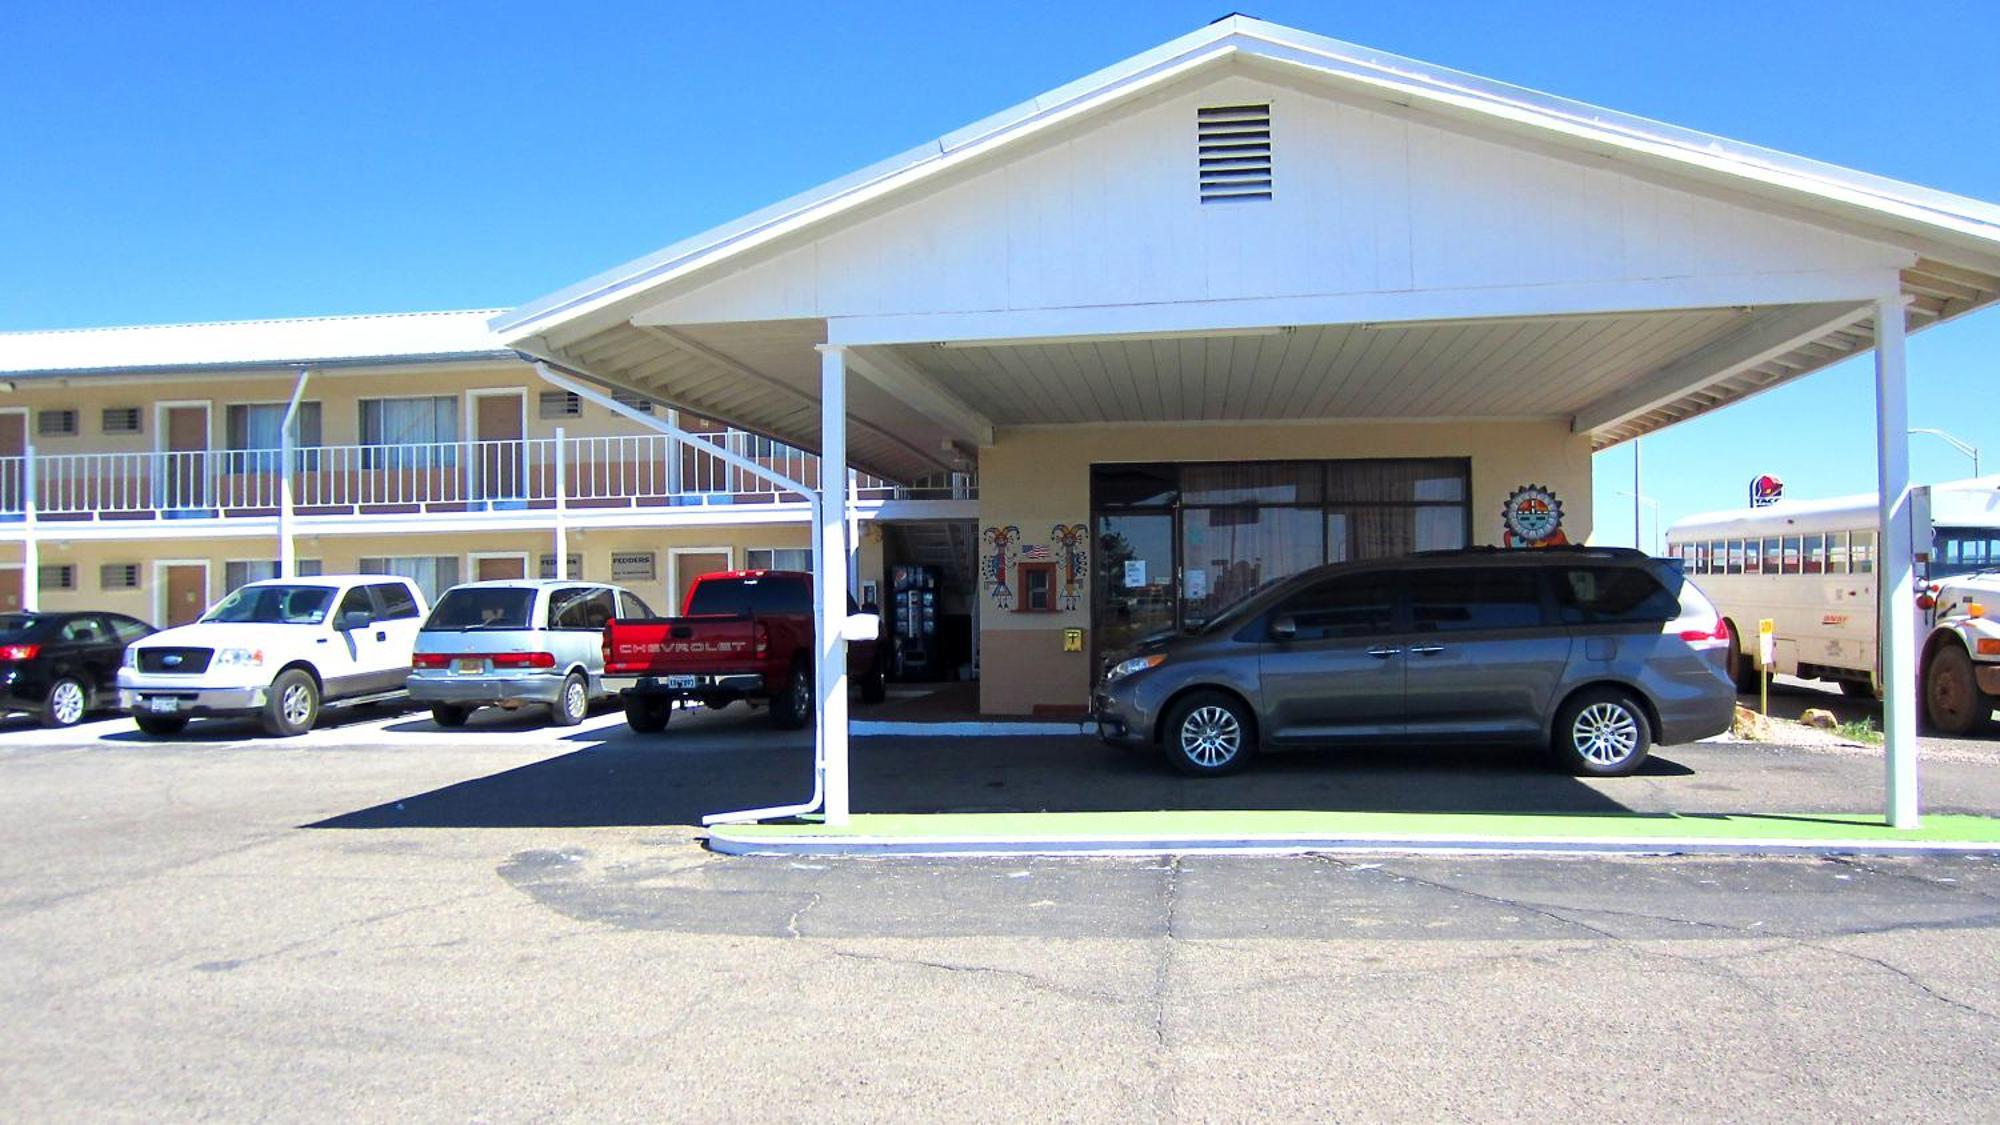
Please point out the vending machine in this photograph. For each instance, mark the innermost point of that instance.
(913, 607)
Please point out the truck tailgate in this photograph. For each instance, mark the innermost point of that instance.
(671, 645)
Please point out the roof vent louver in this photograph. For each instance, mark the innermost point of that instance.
(1235, 152)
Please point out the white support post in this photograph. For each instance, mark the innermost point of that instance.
(31, 547)
(830, 580)
(1895, 568)
(854, 534)
(562, 509)
(288, 449)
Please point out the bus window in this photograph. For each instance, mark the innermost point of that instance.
(1836, 553)
(1771, 554)
(1703, 551)
(1864, 552)
(1735, 564)
(1815, 554)
(1791, 554)
(1753, 553)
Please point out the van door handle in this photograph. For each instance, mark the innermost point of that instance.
(1428, 650)
(1383, 653)
(380, 635)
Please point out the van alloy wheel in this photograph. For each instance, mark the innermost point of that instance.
(1211, 736)
(1605, 734)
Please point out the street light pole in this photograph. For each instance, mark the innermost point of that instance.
(1960, 444)
(1638, 490)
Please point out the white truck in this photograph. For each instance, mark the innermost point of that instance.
(1809, 566)
(278, 649)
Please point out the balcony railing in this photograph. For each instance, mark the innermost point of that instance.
(465, 476)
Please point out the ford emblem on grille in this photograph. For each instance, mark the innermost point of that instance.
(171, 660)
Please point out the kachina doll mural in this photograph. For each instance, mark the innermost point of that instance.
(1073, 541)
(994, 568)
(1532, 517)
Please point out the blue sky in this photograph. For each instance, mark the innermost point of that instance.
(205, 161)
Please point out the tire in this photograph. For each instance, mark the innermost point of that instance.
(647, 716)
(573, 705)
(1209, 734)
(1952, 700)
(160, 726)
(66, 704)
(1602, 732)
(792, 708)
(873, 690)
(293, 705)
(1743, 671)
(450, 715)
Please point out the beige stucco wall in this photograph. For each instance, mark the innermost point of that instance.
(1038, 480)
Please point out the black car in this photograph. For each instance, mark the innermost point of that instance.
(60, 666)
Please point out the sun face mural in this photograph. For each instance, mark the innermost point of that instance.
(1532, 517)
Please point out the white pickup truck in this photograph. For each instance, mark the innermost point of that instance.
(277, 649)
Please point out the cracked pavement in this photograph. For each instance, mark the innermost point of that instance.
(173, 944)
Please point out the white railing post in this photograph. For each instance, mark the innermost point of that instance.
(562, 509)
(1895, 568)
(31, 548)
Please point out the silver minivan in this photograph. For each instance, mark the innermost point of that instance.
(1596, 653)
(515, 641)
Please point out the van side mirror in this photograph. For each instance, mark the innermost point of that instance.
(356, 619)
(1284, 627)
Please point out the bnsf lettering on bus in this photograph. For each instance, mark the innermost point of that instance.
(682, 648)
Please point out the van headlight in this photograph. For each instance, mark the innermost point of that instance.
(239, 658)
(1126, 668)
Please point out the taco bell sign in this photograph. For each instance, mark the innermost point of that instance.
(1766, 490)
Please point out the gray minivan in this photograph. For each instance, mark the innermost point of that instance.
(1596, 653)
(515, 641)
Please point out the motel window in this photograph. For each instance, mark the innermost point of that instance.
(632, 401)
(409, 433)
(57, 576)
(433, 574)
(560, 404)
(55, 423)
(121, 419)
(118, 576)
(242, 572)
(778, 558)
(254, 433)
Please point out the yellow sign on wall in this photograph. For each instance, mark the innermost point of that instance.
(1072, 640)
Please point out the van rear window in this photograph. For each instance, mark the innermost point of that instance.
(481, 607)
(1612, 595)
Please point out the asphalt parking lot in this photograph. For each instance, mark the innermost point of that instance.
(509, 922)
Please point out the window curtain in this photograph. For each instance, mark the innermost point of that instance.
(410, 433)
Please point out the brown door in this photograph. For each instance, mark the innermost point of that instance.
(488, 570)
(13, 443)
(187, 594)
(688, 567)
(186, 469)
(497, 422)
(10, 590)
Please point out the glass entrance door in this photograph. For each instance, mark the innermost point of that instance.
(1135, 578)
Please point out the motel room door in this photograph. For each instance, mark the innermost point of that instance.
(13, 443)
(187, 593)
(498, 428)
(496, 567)
(186, 455)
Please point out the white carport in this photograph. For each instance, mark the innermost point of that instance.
(1252, 225)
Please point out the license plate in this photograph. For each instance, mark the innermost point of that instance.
(680, 681)
(163, 706)
(469, 667)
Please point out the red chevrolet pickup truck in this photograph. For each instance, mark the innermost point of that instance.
(743, 634)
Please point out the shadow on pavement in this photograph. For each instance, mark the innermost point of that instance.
(631, 780)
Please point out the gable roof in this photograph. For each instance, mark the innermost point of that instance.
(1944, 227)
(315, 341)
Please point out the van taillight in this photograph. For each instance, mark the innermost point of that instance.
(429, 660)
(523, 660)
(1708, 637)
